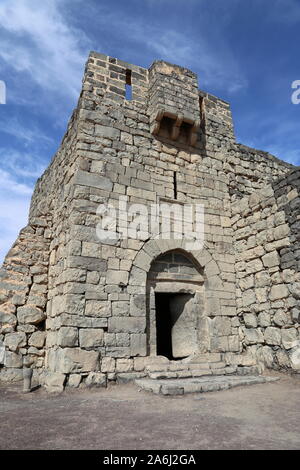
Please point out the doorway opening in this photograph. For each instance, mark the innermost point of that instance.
(163, 326)
(174, 320)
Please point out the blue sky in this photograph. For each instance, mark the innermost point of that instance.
(246, 52)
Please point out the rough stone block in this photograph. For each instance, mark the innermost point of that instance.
(15, 341)
(93, 180)
(32, 315)
(54, 382)
(91, 338)
(37, 339)
(126, 325)
(68, 337)
(250, 320)
(289, 338)
(279, 291)
(97, 308)
(117, 277)
(13, 360)
(108, 364)
(96, 379)
(73, 360)
(272, 336)
(74, 380)
(138, 344)
(253, 336)
(271, 259)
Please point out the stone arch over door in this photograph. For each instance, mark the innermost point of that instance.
(140, 301)
(175, 301)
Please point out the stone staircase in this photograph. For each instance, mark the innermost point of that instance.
(197, 373)
(180, 386)
(198, 365)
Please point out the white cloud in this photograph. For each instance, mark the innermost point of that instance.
(21, 165)
(273, 134)
(205, 53)
(36, 39)
(8, 184)
(14, 201)
(14, 216)
(27, 135)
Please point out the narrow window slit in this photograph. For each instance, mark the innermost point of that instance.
(128, 87)
(175, 184)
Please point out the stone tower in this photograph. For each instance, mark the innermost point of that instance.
(76, 306)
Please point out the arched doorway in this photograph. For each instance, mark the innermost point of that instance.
(175, 296)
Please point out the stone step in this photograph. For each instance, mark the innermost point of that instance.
(182, 386)
(180, 370)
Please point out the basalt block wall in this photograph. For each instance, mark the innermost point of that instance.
(78, 307)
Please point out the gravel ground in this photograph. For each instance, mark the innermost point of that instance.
(263, 416)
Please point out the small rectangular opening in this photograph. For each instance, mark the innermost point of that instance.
(185, 132)
(201, 106)
(175, 184)
(166, 126)
(128, 86)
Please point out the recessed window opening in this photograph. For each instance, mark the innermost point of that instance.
(201, 106)
(128, 86)
(166, 126)
(185, 132)
(175, 184)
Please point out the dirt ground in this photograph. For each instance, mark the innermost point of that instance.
(265, 416)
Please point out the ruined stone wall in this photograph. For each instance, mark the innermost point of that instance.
(246, 169)
(91, 294)
(266, 227)
(25, 281)
(95, 322)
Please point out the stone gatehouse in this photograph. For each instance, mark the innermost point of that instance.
(77, 308)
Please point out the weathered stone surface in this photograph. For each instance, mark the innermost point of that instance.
(54, 382)
(37, 339)
(93, 180)
(108, 364)
(95, 298)
(12, 359)
(15, 341)
(96, 308)
(273, 336)
(73, 360)
(31, 315)
(11, 375)
(250, 320)
(74, 380)
(271, 259)
(264, 319)
(117, 277)
(253, 336)
(96, 379)
(7, 318)
(68, 337)
(91, 338)
(295, 357)
(126, 325)
(295, 290)
(279, 291)
(289, 338)
(138, 344)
